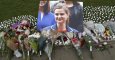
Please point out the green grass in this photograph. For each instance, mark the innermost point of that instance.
(99, 2)
(14, 8)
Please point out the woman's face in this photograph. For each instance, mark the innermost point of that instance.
(61, 16)
(42, 3)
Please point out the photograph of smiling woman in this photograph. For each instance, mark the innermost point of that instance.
(62, 14)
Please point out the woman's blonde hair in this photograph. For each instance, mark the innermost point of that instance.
(64, 7)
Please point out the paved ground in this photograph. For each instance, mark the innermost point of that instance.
(69, 53)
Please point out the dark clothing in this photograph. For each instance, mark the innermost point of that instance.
(76, 17)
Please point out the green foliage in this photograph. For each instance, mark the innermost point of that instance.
(34, 44)
(99, 2)
(13, 8)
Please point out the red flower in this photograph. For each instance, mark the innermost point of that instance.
(74, 40)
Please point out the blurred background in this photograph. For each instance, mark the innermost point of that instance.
(14, 8)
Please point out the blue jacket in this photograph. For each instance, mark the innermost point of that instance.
(47, 20)
(54, 27)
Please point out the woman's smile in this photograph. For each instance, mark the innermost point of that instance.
(61, 16)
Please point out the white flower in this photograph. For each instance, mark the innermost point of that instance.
(35, 35)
